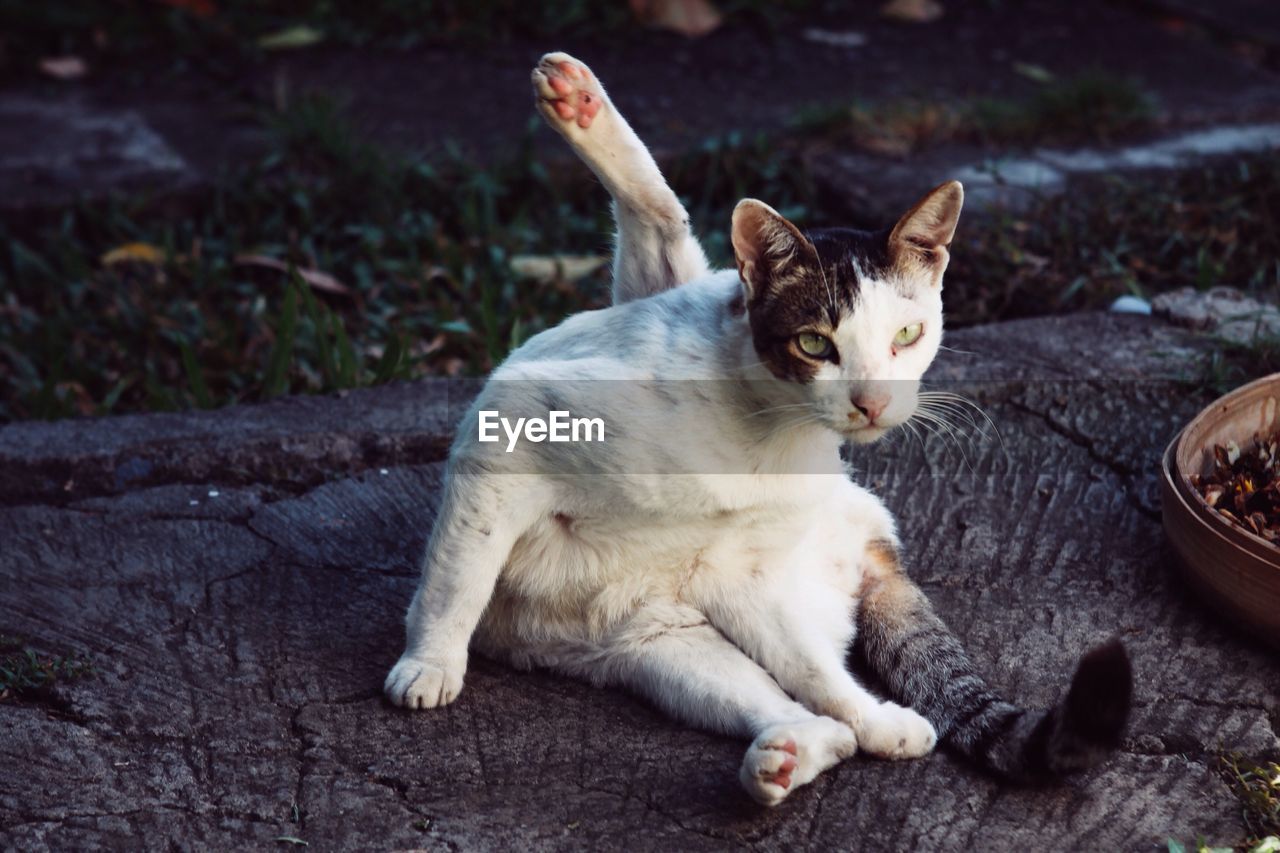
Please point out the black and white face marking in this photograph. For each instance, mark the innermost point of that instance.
(855, 316)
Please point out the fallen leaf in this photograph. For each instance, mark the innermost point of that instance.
(912, 11)
(291, 37)
(142, 253)
(317, 279)
(550, 268)
(690, 18)
(64, 67)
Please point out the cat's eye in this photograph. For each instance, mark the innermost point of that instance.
(814, 345)
(908, 335)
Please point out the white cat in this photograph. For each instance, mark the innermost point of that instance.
(712, 553)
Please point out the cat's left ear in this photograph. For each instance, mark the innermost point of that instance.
(918, 243)
(769, 249)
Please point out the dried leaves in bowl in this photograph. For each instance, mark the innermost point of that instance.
(1244, 486)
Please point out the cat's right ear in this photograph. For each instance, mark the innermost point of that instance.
(918, 243)
(766, 246)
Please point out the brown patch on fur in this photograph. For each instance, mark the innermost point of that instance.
(784, 287)
(880, 566)
(886, 590)
(738, 304)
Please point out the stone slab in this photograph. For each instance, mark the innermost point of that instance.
(241, 641)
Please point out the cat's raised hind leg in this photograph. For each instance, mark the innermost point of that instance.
(656, 249)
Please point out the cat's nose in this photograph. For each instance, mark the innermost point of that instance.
(872, 406)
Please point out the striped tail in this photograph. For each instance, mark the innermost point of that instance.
(924, 666)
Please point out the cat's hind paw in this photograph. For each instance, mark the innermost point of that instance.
(786, 757)
(568, 94)
(767, 768)
(418, 683)
(894, 732)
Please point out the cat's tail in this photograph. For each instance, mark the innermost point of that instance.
(924, 666)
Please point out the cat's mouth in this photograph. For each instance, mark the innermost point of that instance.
(867, 433)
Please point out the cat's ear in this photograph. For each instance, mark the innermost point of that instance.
(767, 247)
(918, 243)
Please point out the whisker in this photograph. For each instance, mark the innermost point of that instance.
(945, 429)
(967, 404)
(783, 407)
(954, 413)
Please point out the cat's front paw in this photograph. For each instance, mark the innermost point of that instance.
(424, 683)
(568, 93)
(895, 732)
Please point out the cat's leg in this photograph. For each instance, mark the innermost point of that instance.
(799, 632)
(481, 517)
(656, 249)
(688, 669)
(795, 615)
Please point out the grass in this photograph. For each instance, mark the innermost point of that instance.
(1080, 250)
(121, 307)
(26, 674)
(1233, 364)
(1256, 785)
(1092, 107)
(180, 315)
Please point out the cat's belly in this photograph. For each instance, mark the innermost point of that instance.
(576, 581)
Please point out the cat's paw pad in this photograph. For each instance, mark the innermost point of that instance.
(419, 683)
(568, 93)
(768, 767)
(894, 732)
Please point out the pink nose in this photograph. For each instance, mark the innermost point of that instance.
(871, 406)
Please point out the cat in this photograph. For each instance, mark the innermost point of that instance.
(713, 553)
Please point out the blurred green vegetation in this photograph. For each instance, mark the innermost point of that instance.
(26, 674)
(424, 272)
(186, 313)
(1093, 106)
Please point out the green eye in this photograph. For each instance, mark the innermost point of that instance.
(908, 335)
(814, 345)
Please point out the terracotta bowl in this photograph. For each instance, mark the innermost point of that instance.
(1236, 571)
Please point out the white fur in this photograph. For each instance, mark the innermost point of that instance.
(709, 553)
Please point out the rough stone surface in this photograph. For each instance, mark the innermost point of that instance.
(241, 637)
(1226, 311)
(55, 150)
(1020, 180)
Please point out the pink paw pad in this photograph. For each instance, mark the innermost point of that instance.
(574, 103)
(782, 776)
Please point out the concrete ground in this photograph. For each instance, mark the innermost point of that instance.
(239, 579)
